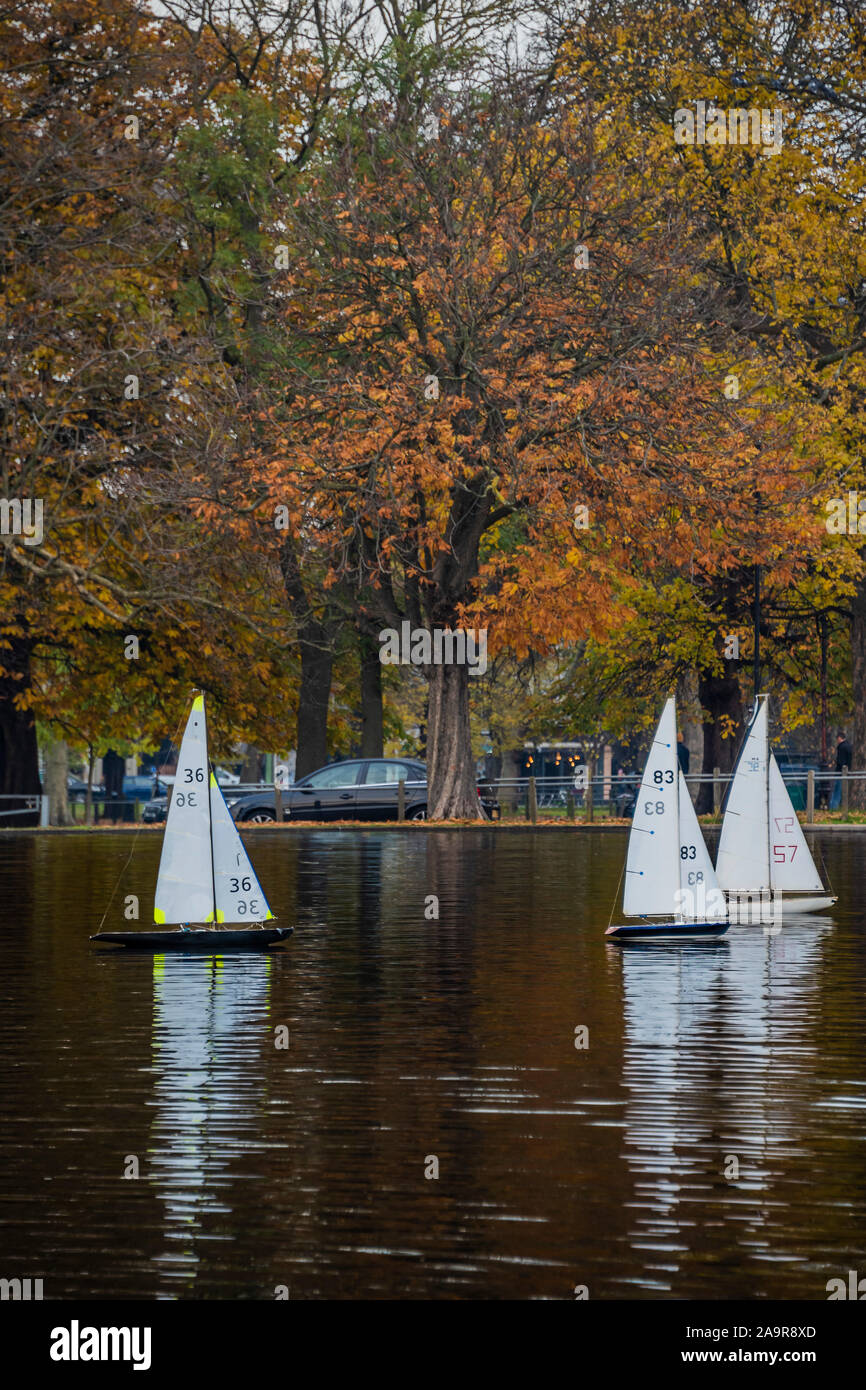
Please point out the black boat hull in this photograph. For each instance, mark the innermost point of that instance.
(213, 942)
(666, 931)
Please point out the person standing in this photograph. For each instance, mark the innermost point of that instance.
(683, 754)
(843, 764)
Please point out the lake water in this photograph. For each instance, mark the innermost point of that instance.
(414, 1042)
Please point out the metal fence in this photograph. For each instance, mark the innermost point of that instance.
(15, 809)
(12, 806)
(550, 796)
(614, 795)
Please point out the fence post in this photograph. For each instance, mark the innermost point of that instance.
(569, 803)
(45, 811)
(588, 806)
(401, 799)
(845, 793)
(532, 803)
(717, 791)
(278, 801)
(810, 796)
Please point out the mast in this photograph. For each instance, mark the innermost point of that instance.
(757, 670)
(209, 811)
(767, 796)
(677, 785)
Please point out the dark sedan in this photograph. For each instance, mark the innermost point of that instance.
(360, 789)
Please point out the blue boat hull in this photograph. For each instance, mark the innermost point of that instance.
(666, 931)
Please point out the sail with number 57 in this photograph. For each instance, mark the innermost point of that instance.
(762, 848)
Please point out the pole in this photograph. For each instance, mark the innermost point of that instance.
(757, 676)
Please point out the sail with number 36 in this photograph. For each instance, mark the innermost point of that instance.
(205, 874)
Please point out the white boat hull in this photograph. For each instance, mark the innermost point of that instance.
(751, 909)
(807, 903)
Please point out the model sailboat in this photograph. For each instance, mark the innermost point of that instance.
(205, 876)
(762, 849)
(668, 872)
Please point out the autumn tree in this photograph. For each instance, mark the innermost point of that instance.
(502, 333)
(112, 390)
(782, 242)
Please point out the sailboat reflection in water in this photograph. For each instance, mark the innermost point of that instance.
(721, 1057)
(205, 875)
(210, 1030)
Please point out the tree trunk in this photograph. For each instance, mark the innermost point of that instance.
(857, 797)
(56, 780)
(315, 644)
(720, 697)
(688, 709)
(19, 753)
(317, 663)
(251, 764)
(452, 790)
(372, 734)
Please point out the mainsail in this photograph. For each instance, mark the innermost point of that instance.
(184, 888)
(668, 869)
(204, 873)
(652, 871)
(762, 846)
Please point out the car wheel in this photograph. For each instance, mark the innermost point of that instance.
(420, 813)
(261, 817)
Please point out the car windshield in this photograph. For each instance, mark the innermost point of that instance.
(337, 775)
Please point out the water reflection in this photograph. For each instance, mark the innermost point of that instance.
(717, 1035)
(210, 1017)
(416, 1035)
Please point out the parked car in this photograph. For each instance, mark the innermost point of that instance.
(795, 769)
(155, 811)
(357, 789)
(137, 788)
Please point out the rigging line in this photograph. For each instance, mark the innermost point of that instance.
(135, 840)
(209, 810)
(618, 886)
(823, 865)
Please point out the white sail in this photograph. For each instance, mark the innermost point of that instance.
(652, 871)
(184, 888)
(700, 895)
(239, 897)
(791, 863)
(743, 860)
